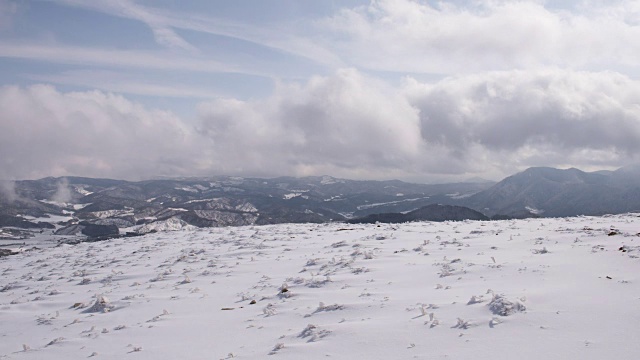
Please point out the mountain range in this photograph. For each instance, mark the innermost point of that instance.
(553, 192)
(106, 207)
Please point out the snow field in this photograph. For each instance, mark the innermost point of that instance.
(526, 289)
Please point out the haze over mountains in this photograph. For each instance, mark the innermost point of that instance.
(105, 207)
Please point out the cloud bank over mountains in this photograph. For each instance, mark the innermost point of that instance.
(47, 132)
(416, 90)
(347, 124)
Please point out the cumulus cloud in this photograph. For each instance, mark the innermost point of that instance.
(414, 36)
(489, 124)
(550, 117)
(347, 124)
(49, 133)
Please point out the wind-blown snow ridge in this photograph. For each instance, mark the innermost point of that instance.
(319, 291)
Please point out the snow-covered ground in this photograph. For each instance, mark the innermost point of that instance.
(526, 289)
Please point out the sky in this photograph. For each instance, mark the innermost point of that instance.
(423, 91)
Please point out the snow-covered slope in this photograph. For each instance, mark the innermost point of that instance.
(526, 289)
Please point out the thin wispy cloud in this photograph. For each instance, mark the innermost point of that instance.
(114, 58)
(162, 31)
(126, 83)
(162, 22)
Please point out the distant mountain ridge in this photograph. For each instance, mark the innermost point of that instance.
(555, 192)
(74, 205)
(211, 202)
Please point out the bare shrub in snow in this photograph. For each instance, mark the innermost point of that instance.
(313, 333)
(269, 310)
(323, 307)
(423, 310)
(446, 270)
(318, 283)
(359, 270)
(55, 341)
(284, 291)
(462, 324)
(499, 305)
(278, 347)
(540, 251)
(312, 262)
(41, 320)
(494, 321)
(102, 305)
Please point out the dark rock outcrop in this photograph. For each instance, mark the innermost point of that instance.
(6, 252)
(93, 230)
(18, 222)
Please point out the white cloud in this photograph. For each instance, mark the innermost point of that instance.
(49, 133)
(347, 124)
(162, 31)
(412, 36)
(285, 38)
(114, 58)
(166, 36)
(517, 118)
(125, 82)
(490, 124)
